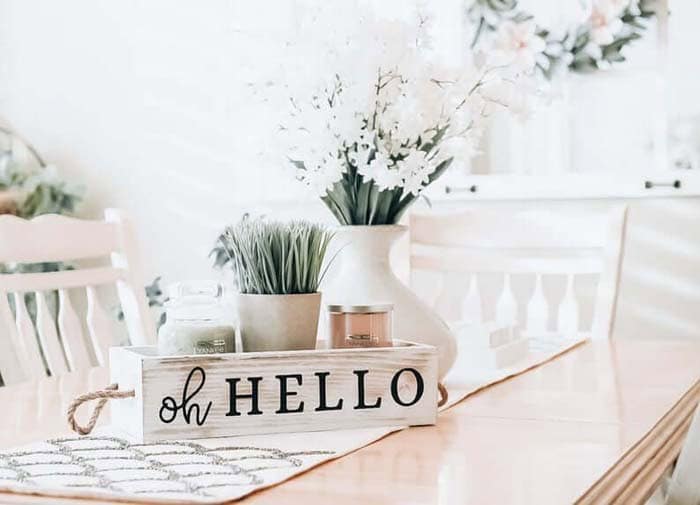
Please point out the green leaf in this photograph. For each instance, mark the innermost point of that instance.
(274, 257)
(440, 169)
(362, 205)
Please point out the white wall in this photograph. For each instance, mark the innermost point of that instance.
(145, 103)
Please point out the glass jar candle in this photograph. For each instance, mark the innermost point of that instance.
(360, 325)
(196, 321)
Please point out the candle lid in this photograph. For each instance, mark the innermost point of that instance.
(362, 309)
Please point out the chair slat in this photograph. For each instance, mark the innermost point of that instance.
(71, 333)
(10, 359)
(64, 279)
(131, 293)
(471, 305)
(27, 335)
(66, 235)
(568, 319)
(475, 228)
(48, 337)
(499, 262)
(506, 306)
(98, 327)
(537, 309)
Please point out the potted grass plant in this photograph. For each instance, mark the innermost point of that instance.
(277, 268)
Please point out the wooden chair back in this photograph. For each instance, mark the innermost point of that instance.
(32, 346)
(535, 246)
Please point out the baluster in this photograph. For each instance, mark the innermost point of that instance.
(506, 306)
(27, 335)
(537, 310)
(48, 337)
(446, 303)
(568, 311)
(71, 333)
(471, 305)
(98, 326)
(11, 360)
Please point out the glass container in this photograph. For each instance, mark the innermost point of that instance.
(360, 325)
(197, 321)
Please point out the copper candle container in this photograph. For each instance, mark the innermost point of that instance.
(360, 325)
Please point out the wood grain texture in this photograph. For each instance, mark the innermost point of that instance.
(11, 358)
(25, 241)
(547, 436)
(137, 316)
(684, 487)
(99, 327)
(71, 332)
(48, 337)
(636, 475)
(28, 342)
(401, 382)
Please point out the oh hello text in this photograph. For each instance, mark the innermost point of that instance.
(248, 403)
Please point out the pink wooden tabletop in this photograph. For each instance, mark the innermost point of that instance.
(598, 424)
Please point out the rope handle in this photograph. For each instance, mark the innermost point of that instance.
(443, 394)
(110, 392)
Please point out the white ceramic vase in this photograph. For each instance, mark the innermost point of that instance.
(365, 277)
(278, 322)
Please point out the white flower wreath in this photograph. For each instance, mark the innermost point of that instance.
(602, 28)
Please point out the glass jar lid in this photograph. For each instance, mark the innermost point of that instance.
(376, 308)
(195, 300)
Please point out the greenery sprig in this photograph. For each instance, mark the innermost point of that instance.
(573, 50)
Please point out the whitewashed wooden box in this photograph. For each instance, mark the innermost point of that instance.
(202, 396)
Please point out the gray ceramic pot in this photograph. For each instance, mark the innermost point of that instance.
(278, 322)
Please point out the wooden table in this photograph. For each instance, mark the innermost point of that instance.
(599, 424)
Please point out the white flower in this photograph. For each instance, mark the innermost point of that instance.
(404, 116)
(381, 171)
(321, 179)
(380, 163)
(517, 44)
(462, 147)
(380, 91)
(594, 51)
(517, 97)
(415, 171)
(388, 178)
(605, 22)
(621, 5)
(360, 156)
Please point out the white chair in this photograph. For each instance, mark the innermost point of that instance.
(527, 246)
(28, 351)
(684, 485)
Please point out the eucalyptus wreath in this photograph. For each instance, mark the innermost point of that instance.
(596, 42)
(35, 186)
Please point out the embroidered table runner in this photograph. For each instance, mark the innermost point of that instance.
(215, 470)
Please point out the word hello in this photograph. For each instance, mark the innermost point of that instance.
(192, 411)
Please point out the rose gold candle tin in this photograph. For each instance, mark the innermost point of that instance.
(360, 325)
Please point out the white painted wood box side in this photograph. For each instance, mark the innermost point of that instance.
(339, 371)
(126, 370)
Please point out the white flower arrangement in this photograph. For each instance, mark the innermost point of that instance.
(593, 39)
(369, 145)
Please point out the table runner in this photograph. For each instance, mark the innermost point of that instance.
(217, 470)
